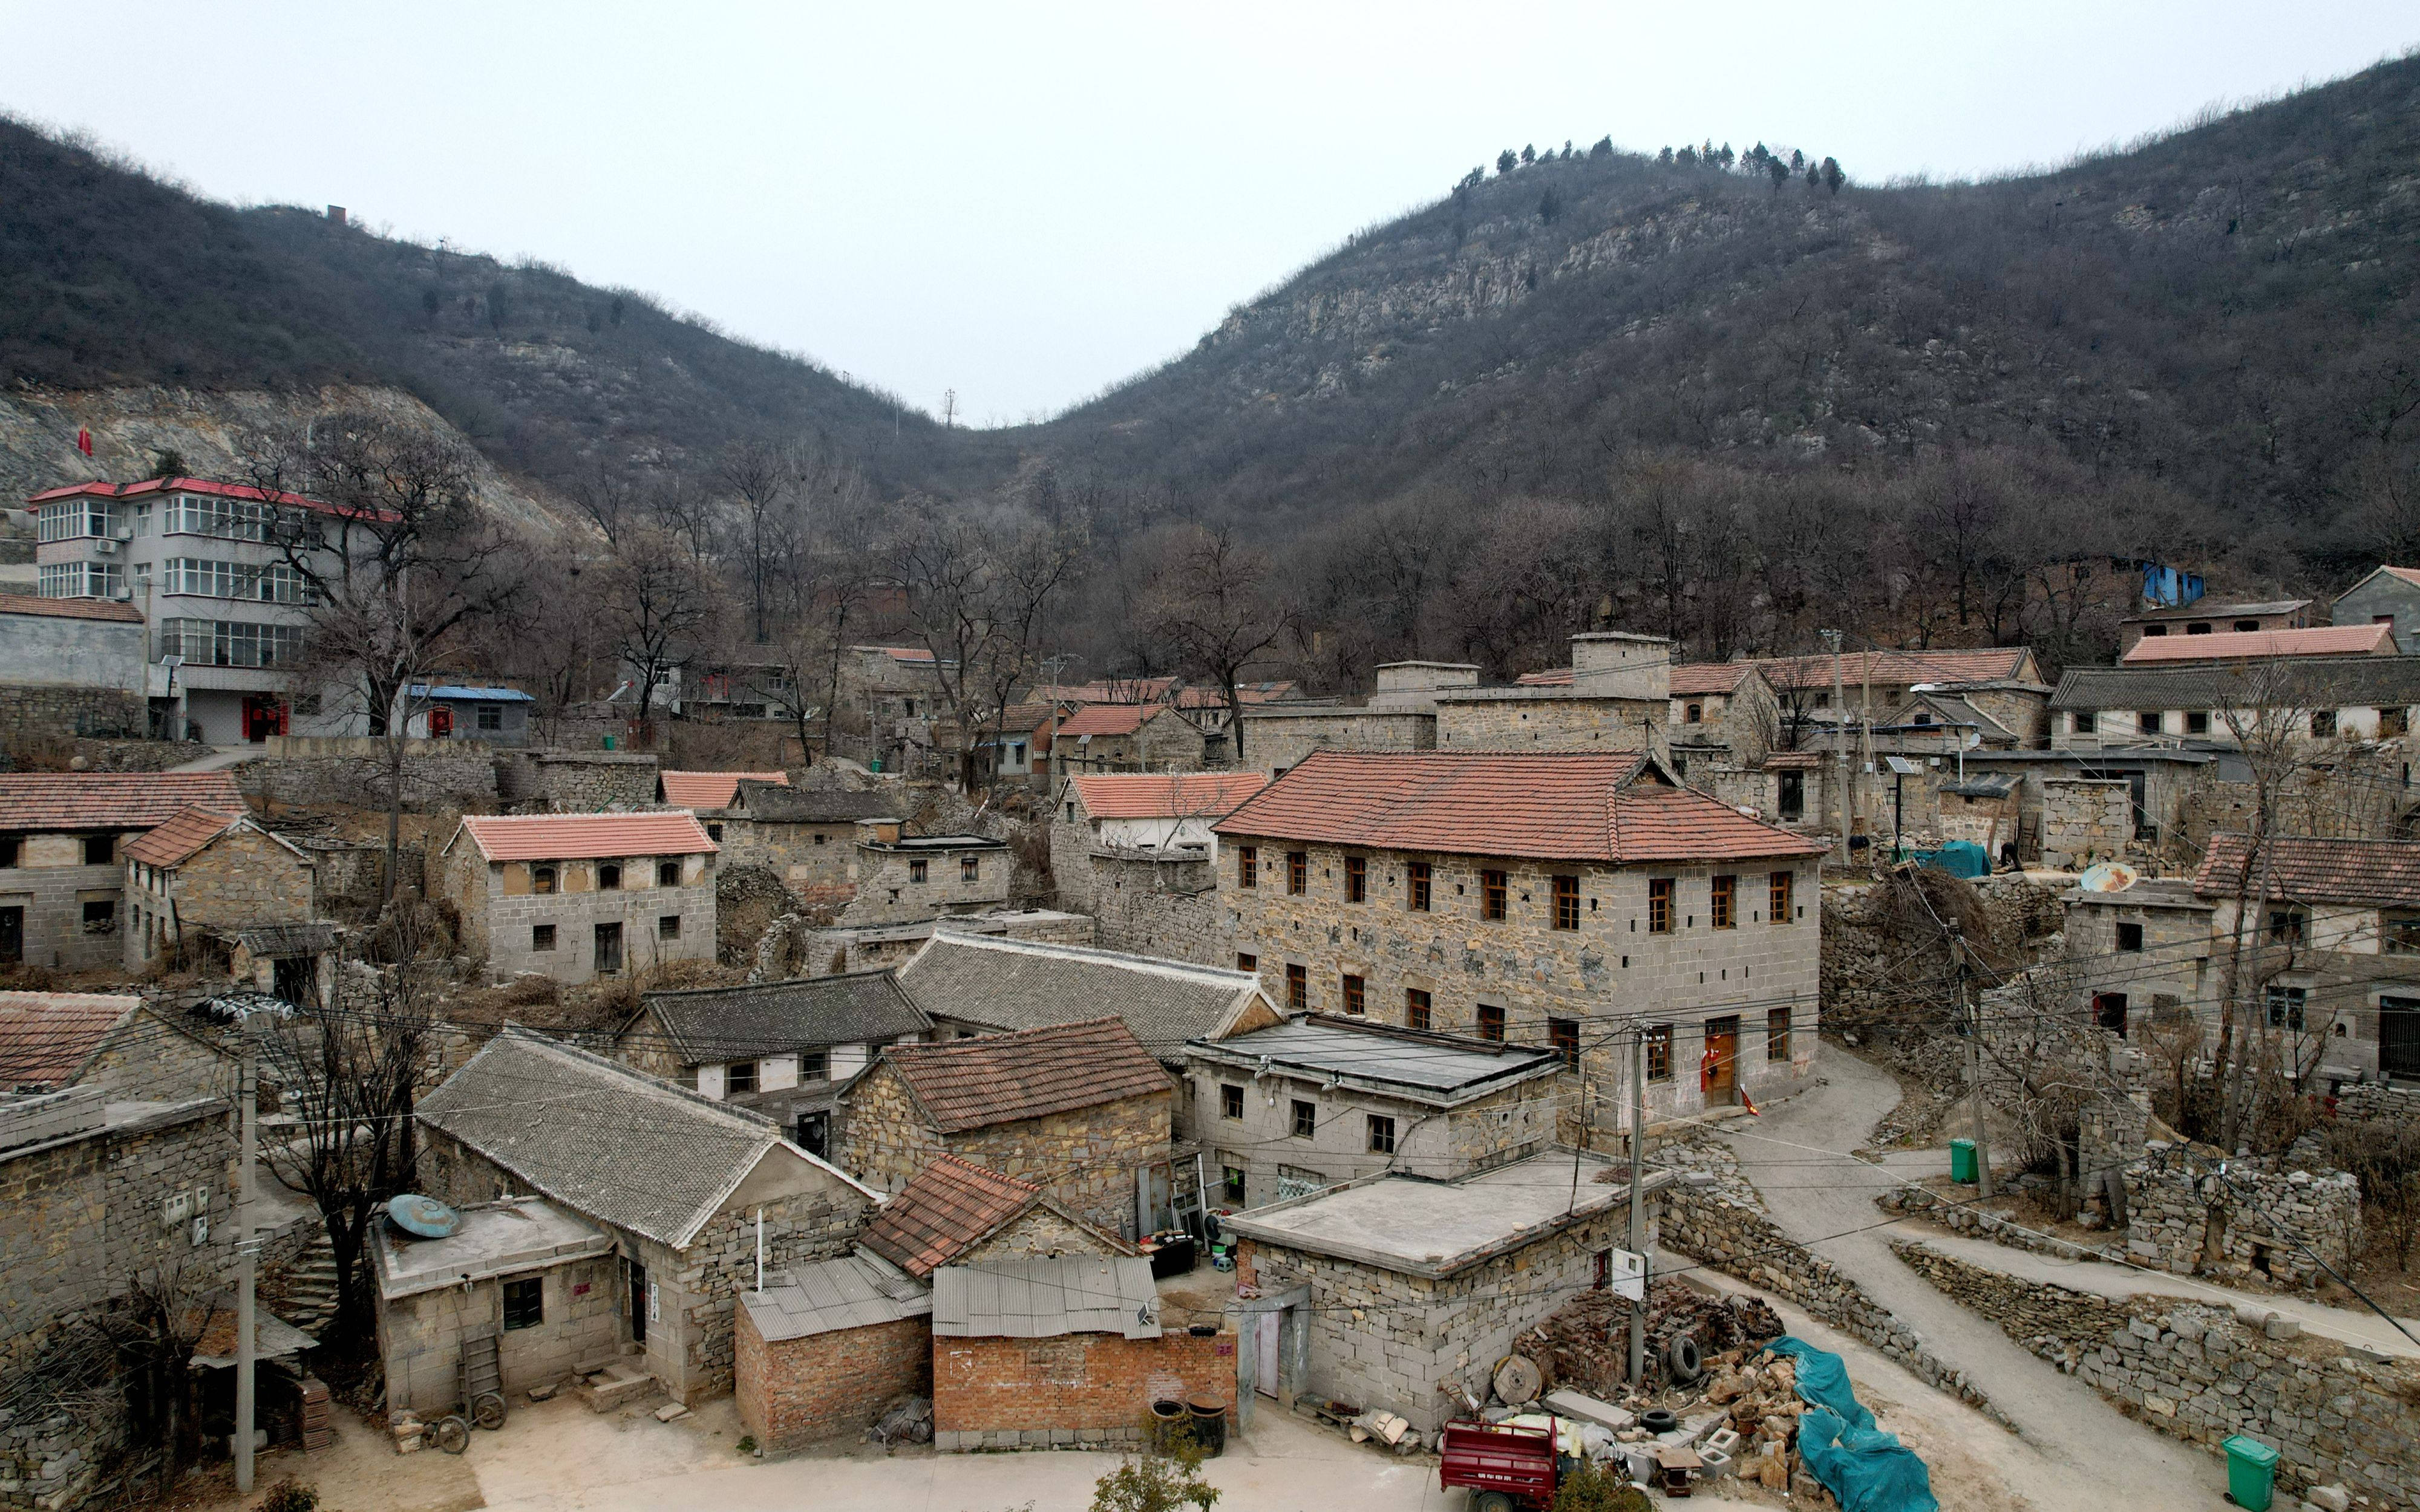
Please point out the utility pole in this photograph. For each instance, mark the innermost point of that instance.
(248, 1262)
(1839, 744)
(1973, 1022)
(1639, 1202)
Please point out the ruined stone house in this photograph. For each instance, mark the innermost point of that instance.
(807, 835)
(62, 861)
(899, 879)
(203, 874)
(580, 896)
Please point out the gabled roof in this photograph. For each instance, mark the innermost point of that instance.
(180, 836)
(1024, 719)
(2374, 873)
(1170, 796)
(1047, 1299)
(1004, 983)
(110, 800)
(718, 1023)
(2409, 577)
(1946, 709)
(580, 837)
(1989, 664)
(45, 1038)
(779, 803)
(2219, 610)
(1699, 678)
(948, 1208)
(2324, 640)
(712, 790)
(1794, 761)
(2379, 682)
(1582, 806)
(1212, 698)
(905, 655)
(70, 609)
(1005, 1078)
(1105, 719)
(609, 1142)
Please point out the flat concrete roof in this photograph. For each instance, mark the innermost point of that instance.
(1433, 1067)
(1434, 1228)
(497, 1238)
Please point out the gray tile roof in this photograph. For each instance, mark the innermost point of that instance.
(775, 803)
(1431, 1068)
(1044, 1299)
(606, 1141)
(2389, 682)
(1026, 984)
(285, 939)
(715, 1023)
(857, 1290)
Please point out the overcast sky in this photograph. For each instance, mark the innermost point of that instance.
(1025, 203)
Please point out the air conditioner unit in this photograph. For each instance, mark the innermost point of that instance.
(123, 594)
(107, 548)
(123, 533)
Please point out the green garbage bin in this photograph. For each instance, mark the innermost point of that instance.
(1962, 1160)
(2251, 1473)
(608, 742)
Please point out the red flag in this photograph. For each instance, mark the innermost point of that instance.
(1749, 1102)
(84, 440)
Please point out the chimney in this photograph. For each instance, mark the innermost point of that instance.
(1617, 663)
(337, 213)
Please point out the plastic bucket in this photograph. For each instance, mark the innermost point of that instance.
(2251, 1473)
(608, 742)
(1962, 1160)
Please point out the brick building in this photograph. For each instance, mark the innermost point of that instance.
(62, 867)
(580, 896)
(1076, 1108)
(114, 1043)
(1319, 1100)
(2209, 616)
(204, 873)
(781, 1048)
(683, 1185)
(1547, 900)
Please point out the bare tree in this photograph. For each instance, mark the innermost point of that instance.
(654, 603)
(1210, 600)
(762, 476)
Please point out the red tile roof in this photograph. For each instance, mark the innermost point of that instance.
(45, 1037)
(948, 1208)
(1119, 691)
(99, 490)
(2324, 640)
(905, 653)
(1991, 664)
(109, 800)
(1171, 796)
(2410, 575)
(712, 789)
(180, 836)
(2301, 868)
(1210, 697)
(1699, 678)
(70, 609)
(1582, 806)
(1793, 761)
(1005, 1078)
(581, 836)
(1551, 677)
(1105, 719)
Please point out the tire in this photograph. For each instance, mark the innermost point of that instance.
(1681, 1357)
(1492, 1502)
(453, 1434)
(488, 1411)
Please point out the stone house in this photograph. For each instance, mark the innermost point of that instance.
(2203, 704)
(1546, 899)
(2263, 645)
(1280, 736)
(1138, 813)
(2148, 948)
(1400, 1292)
(2003, 682)
(956, 1213)
(546, 1284)
(116, 1043)
(204, 873)
(781, 1048)
(991, 984)
(1321, 1100)
(807, 835)
(707, 793)
(901, 879)
(1618, 693)
(690, 1191)
(2390, 596)
(1726, 704)
(893, 693)
(2208, 617)
(62, 864)
(1057, 1353)
(1020, 741)
(580, 896)
(2336, 944)
(1133, 737)
(70, 667)
(1078, 1108)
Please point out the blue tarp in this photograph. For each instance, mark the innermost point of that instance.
(1865, 1469)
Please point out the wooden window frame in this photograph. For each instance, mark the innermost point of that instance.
(1419, 1008)
(1297, 873)
(1563, 1037)
(1777, 1034)
(1297, 988)
(1356, 879)
(1660, 899)
(1780, 889)
(1490, 1022)
(1418, 885)
(1247, 866)
(1493, 888)
(1356, 994)
(1659, 1051)
(1722, 901)
(1231, 1100)
(1567, 902)
(1303, 1122)
(1380, 1129)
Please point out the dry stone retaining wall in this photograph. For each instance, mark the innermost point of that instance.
(2259, 1222)
(1166, 908)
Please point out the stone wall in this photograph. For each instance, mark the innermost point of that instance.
(2377, 1100)
(2203, 1373)
(2254, 1223)
(1714, 1215)
(34, 718)
(1491, 720)
(814, 860)
(500, 914)
(582, 781)
(242, 879)
(1088, 1389)
(890, 892)
(1040, 1234)
(1276, 738)
(2084, 820)
(348, 877)
(1167, 908)
(53, 897)
(419, 1336)
(795, 1392)
(445, 778)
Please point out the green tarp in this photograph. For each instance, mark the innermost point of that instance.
(1865, 1469)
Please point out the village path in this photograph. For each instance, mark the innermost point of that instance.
(219, 760)
(2083, 1453)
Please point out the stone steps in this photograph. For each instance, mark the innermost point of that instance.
(616, 1385)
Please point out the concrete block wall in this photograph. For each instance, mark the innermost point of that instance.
(2203, 1374)
(419, 1336)
(54, 896)
(2084, 820)
(794, 1392)
(1087, 1389)
(1547, 721)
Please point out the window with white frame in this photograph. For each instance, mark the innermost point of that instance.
(233, 519)
(276, 583)
(82, 580)
(227, 644)
(76, 520)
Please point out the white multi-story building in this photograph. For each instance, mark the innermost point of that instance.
(225, 612)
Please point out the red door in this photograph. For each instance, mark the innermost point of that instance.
(441, 722)
(264, 715)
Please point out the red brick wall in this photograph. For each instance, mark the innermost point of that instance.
(826, 1384)
(1079, 1381)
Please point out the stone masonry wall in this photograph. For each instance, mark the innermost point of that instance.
(1273, 740)
(242, 879)
(1548, 722)
(441, 780)
(32, 717)
(564, 781)
(889, 893)
(2375, 1100)
(2202, 1373)
(884, 1138)
(500, 914)
(2247, 1224)
(53, 897)
(419, 1336)
(795, 1392)
(1085, 1389)
(1155, 907)
(1503, 1126)
(2084, 820)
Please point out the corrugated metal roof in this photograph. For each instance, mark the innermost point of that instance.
(1045, 1299)
(856, 1291)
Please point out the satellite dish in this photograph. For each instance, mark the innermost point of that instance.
(423, 1217)
(2108, 876)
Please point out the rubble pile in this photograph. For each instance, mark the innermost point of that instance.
(1761, 1396)
(1584, 1344)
